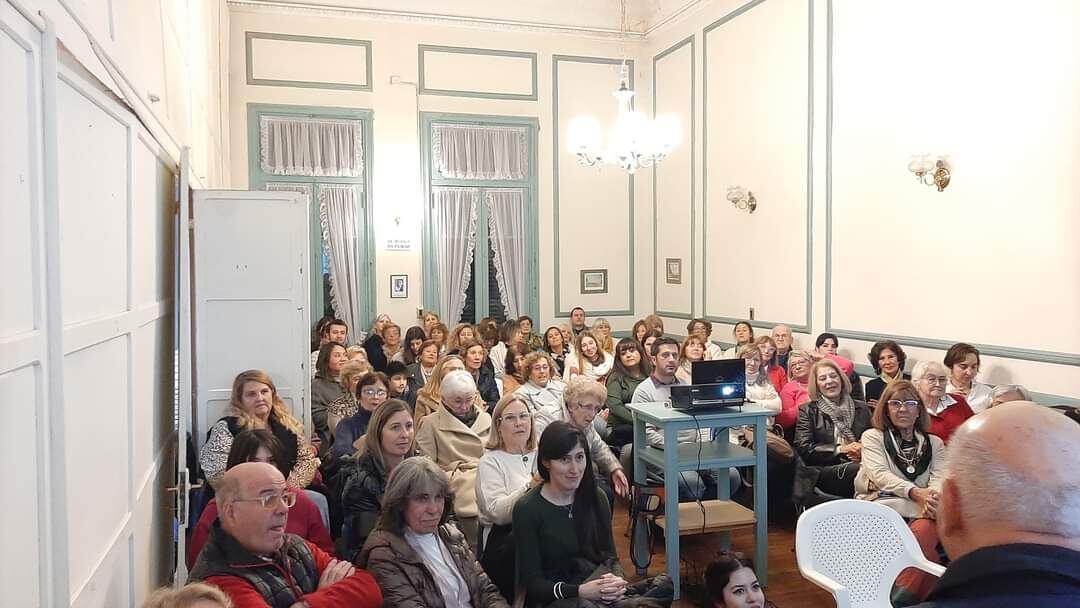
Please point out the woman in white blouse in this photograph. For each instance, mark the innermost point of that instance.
(588, 359)
(759, 388)
(963, 363)
(506, 472)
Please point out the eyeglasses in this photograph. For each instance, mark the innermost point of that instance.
(585, 408)
(909, 404)
(942, 380)
(374, 392)
(513, 418)
(269, 501)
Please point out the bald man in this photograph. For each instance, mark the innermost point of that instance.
(1009, 512)
(257, 564)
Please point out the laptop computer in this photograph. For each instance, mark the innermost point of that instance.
(720, 383)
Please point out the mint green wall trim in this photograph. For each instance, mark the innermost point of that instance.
(1042, 398)
(803, 327)
(1023, 354)
(422, 49)
(693, 173)
(556, 151)
(307, 84)
(532, 221)
(257, 180)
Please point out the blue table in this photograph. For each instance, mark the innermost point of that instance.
(719, 454)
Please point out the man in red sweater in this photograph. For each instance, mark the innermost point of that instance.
(251, 558)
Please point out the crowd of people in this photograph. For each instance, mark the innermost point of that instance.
(480, 465)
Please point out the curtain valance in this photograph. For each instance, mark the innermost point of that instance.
(324, 147)
(480, 152)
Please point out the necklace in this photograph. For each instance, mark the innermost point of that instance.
(569, 511)
(910, 462)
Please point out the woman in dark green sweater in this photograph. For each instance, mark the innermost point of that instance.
(631, 367)
(563, 527)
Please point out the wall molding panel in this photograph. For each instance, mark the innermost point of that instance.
(486, 61)
(363, 81)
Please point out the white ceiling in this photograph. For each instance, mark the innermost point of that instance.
(595, 15)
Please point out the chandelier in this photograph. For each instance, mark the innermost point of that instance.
(634, 141)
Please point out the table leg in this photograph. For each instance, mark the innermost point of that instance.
(671, 504)
(639, 440)
(761, 505)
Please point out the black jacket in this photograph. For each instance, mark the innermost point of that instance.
(362, 502)
(485, 383)
(815, 438)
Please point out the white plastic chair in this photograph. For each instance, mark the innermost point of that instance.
(854, 549)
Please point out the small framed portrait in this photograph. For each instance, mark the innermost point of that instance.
(674, 270)
(594, 280)
(399, 286)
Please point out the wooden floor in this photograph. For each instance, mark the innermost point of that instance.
(787, 588)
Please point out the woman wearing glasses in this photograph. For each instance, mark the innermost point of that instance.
(506, 472)
(947, 412)
(371, 391)
(795, 391)
(387, 442)
(305, 519)
(630, 369)
(902, 468)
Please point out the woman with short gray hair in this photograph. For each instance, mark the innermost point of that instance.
(454, 437)
(947, 412)
(1005, 393)
(416, 555)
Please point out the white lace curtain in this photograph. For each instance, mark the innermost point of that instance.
(311, 146)
(455, 223)
(338, 214)
(480, 152)
(506, 219)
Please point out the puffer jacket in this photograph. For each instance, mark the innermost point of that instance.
(405, 580)
(362, 502)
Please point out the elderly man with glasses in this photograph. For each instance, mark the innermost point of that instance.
(256, 563)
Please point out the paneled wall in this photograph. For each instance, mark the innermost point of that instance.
(816, 106)
(86, 341)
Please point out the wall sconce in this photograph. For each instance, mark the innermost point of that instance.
(741, 198)
(930, 172)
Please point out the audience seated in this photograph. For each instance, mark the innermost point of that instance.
(487, 333)
(305, 519)
(329, 329)
(477, 363)
(947, 412)
(414, 337)
(371, 391)
(254, 404)
(528, 338)
(769, 365)
(415, 554)
(509, 334)
(587, 359)
(601, 330)
(326, 388)
(541, 389)
(402, 385)
(743, 333)
(759, 388)
(650, 337)
(795, 391)
(583, 399)
(963, 362)
(827, 434)
(382, 343)
(888, 361)
(454, 437)
(640, 329)
(462, 331)
(514, 368)
(507, 470)
(631, 367)
(785, 342)
(430, 320)
(387, 442)
(194, 595)
(1009, 515)
(577, 322)
(902, 468)
(1006, 393)
(557, 348)
(654, 321)
(692, 349)
(730, 582)
(429, 398)
(702, 329)
(562, 531)
(346, 405)
(439, 334)
(424, 367)
(353, 353)
(826, 344)
(251, 557)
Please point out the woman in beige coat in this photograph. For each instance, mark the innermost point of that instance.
(454, 437)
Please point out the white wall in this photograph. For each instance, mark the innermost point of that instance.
(595, 229)
(989, 261)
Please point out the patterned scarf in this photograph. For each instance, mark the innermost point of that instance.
(842, 415)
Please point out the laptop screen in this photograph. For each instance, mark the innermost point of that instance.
(721, 371)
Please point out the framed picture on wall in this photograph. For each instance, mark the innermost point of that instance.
(594, 280)
(674, 270)
(399, 286)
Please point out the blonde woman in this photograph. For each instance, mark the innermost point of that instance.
(602, 330)
(431, 319)
(254, 404)
(693, 349)
(588, 359)
(345, 405)
(429, 399)
(461, 333)
(357, 353)
(192, 595)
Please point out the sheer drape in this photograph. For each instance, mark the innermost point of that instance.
(311, 146)
(455, 226)
(480, 152)
(506, 219)
(338, 214)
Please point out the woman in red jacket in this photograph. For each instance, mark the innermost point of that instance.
(947, 411)
(305, 520)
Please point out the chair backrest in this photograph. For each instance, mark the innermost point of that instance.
(855, 549)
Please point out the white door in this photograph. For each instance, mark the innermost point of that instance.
(249, 302)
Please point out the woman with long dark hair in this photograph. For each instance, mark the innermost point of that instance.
(630, 368)
(730, 582)
(410, 350)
